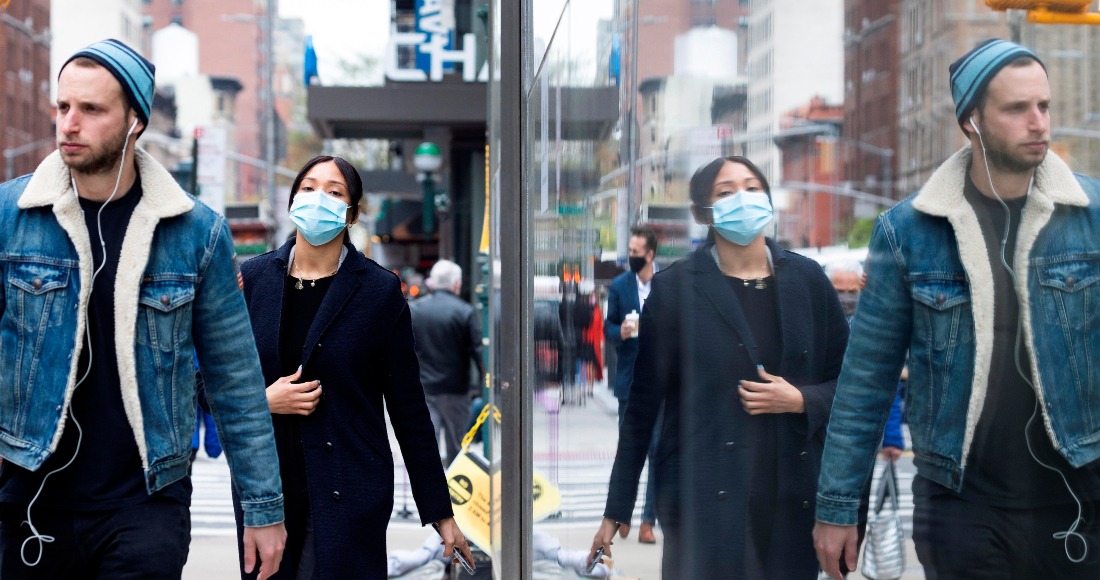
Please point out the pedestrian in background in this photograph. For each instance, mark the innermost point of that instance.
(987, 279)
(448, 338)
(335, 340)
(206, 432)
(742, 342)
(626, 298)
(114, 279)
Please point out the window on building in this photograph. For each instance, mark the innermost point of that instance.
(177, 3)
(177, 19)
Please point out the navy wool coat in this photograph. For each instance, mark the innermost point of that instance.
(360, 347)
(698, 346)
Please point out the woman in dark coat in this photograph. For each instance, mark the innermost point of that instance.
(742, 341)
(335, 340)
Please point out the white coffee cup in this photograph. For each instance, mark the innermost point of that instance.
(633, 319)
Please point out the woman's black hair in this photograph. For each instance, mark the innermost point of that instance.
(351, 177)
(703, 181)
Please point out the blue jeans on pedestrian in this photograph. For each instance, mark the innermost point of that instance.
(213, 446)
(649, 514)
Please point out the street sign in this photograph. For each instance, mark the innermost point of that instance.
(210, 170)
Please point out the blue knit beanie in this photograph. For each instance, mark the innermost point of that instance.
(133, 72)
(970, 75)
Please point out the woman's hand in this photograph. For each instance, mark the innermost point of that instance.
(603, 539)
(453, 539)
(775, 395)
(891, 453)
(286, 397)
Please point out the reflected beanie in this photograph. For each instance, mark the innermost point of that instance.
(132, 70)
(970, 75)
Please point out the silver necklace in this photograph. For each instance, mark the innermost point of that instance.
(313, 282)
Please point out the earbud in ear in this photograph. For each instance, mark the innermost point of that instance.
(975, 125)
(132, 127)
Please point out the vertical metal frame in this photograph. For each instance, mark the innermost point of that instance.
(515, 382)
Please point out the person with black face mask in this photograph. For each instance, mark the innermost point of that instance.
(625, 300)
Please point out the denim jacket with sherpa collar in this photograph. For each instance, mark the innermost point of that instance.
(176, 295)
(930, 293)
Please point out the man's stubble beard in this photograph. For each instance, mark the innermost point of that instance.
(999, 156)
(102, 161)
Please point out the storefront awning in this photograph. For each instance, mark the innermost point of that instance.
(405, 110)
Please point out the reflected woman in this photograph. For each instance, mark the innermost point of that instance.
(749, 347)
(335, 341)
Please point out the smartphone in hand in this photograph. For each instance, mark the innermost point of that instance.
(457, 555)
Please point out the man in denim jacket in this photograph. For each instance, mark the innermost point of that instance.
(1004, 385)
(113, 279)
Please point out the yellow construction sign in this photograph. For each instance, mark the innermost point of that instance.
(475, 508)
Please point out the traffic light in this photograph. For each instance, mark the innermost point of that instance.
(1066, 6)
(1050, 11)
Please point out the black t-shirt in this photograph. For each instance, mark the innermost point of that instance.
(299, 309)
(1000, 470)
(760, 305)
(107, 472)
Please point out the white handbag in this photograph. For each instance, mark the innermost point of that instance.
(884, 554)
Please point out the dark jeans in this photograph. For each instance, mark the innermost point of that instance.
(966, 540)
(648, 512)
(146, 541)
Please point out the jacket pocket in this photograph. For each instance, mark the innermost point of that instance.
(1068, 292)
(164, 315)
(35, 298)
(1066, 326)
(364, 432)
(942, 339)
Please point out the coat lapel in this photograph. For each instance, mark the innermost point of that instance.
(712, 284)
(267, 315)
(344, 286)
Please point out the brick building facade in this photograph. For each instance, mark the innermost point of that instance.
(25, 111)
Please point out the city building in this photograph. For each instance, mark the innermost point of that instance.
(932, 36)
(812, 218)
(25, 111)
(871, 61)
(75, 24)
(230, 43)
(795, 53)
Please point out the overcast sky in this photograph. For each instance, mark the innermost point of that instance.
(346, 28)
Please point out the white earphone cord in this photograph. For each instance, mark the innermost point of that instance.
(1072, 531)
(35, 535)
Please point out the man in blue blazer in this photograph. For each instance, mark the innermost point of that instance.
(628, 293)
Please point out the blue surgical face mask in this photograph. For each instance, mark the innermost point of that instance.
(319, 216)
(742, 216)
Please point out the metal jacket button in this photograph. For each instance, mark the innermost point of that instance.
(165, 300)
(722, 495)
(941, 298)
(803, 456)
(730, 445)
(805, 505)
(37, 283)
(336, 495)
(328, 446)
(805, 354)
(1070, 281)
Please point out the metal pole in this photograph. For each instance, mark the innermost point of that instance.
(269, 90)
(633, 180)
(517, 322)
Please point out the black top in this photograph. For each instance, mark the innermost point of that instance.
(299, 309)
(1000, 470)
(107, 471)
(448, 337)
(761, 307)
